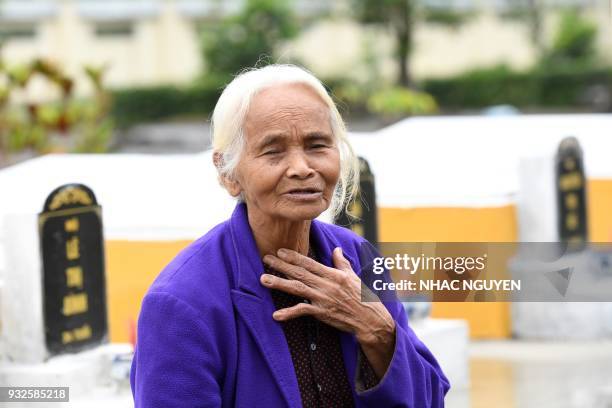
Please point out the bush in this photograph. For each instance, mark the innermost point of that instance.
(564, 87)
(350, 96)
(137, 105)
(559, 87)
(399, 102)
(67, 124)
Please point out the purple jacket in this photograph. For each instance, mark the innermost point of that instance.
(206, 337)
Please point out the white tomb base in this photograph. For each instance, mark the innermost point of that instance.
(448, 340)
(94, 377)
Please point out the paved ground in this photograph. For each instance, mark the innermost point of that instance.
(517, 374)
(508, 374)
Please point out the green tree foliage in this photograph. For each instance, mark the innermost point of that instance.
(445, 16)
(574, 41)
(242, 40)
(399, 15)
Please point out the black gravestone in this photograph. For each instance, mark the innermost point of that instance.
(74, 287)
(363, 209)
(571, 194)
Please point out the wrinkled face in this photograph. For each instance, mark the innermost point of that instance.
(291, 162)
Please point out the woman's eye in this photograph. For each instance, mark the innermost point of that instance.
(318, 146)
(271, 152)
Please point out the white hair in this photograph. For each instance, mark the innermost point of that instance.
(228, 137)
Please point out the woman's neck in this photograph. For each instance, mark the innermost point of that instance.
(271, 234)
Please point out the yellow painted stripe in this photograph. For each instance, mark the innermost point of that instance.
(440, 224)
(131, 267)
(599, 205)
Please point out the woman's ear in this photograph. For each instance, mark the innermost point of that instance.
(218, 160)
(230, 184)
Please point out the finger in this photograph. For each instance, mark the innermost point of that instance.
(340, 262)
(305, 262)
(301, 309)
(294, 271)
(293, 287)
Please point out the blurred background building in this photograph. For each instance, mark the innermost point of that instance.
(152, 42)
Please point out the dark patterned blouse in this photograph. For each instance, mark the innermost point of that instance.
(317, 356)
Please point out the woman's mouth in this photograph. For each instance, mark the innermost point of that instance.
(305, 194)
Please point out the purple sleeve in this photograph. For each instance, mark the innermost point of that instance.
(413, 379)
(176, 363)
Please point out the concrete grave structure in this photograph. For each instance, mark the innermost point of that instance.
(438, 179)
(554, 208)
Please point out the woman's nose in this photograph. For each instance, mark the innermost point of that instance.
(298, 165)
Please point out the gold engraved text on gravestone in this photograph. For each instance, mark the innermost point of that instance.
(71, 225)
(74, 304)
(72, 248)
(571, 201)
(70, 196)
(570, 181)
(80, 333)
(571, 221)
(74, 277)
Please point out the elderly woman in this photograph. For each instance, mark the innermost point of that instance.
(265, 310)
